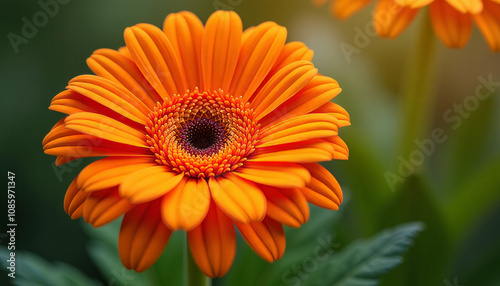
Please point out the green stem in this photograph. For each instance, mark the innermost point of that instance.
(417, 90)
(192, 274)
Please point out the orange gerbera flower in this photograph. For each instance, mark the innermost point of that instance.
(451, 19)
(201, 127)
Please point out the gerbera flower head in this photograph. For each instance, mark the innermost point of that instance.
(451, 19)
(201, 128)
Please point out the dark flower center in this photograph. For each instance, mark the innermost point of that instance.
(203, 136)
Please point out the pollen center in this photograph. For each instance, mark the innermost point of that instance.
(202, 134)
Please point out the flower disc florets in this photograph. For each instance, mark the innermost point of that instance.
(202, 134)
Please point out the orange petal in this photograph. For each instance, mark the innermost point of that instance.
(186, 205)
(281, 125)
(467, 6)
(104, 206)
(341, 151)
(259, 52)
(302, 155)
(248, 32)
(299, 128)
(70, 153)
(286, 206)
(451, 26)
(156, 58)
(110, 172)
(106, 128)
(81, 146)
(267, 238)
(111, 95)
(115, 66)
(125, 52)
(220, 49)
(70, 144)
(281, 175)
(185, 31)
(213, 243)
(337, 111)
(323, 190)
(239, 199)
(149, 183)
(61, 160)
(488, 22)
(73, 201)
(70, 102)
(291, 52)
(80, 149)
(283, 85)
(58, 131)
(300, 133)
(390, 19)
(301, 152)
(319, 91)
(345, 8)
(62, 136)
(414, 3)
(143, 236)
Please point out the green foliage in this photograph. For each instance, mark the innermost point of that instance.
(415, 201)
(483, 261)
(33, 270)
(311, 257)
(249, 269)
(483, 186)
(362, 262)
(467, 142)
(103, 250)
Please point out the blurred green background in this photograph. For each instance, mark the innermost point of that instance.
(455, 191)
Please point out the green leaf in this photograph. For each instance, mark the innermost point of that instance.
(31, 269)
(249, 269)
(322, 222)
(363, 262)
(303, 245)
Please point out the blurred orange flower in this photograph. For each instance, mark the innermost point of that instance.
(451, 19)
(201, 127)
